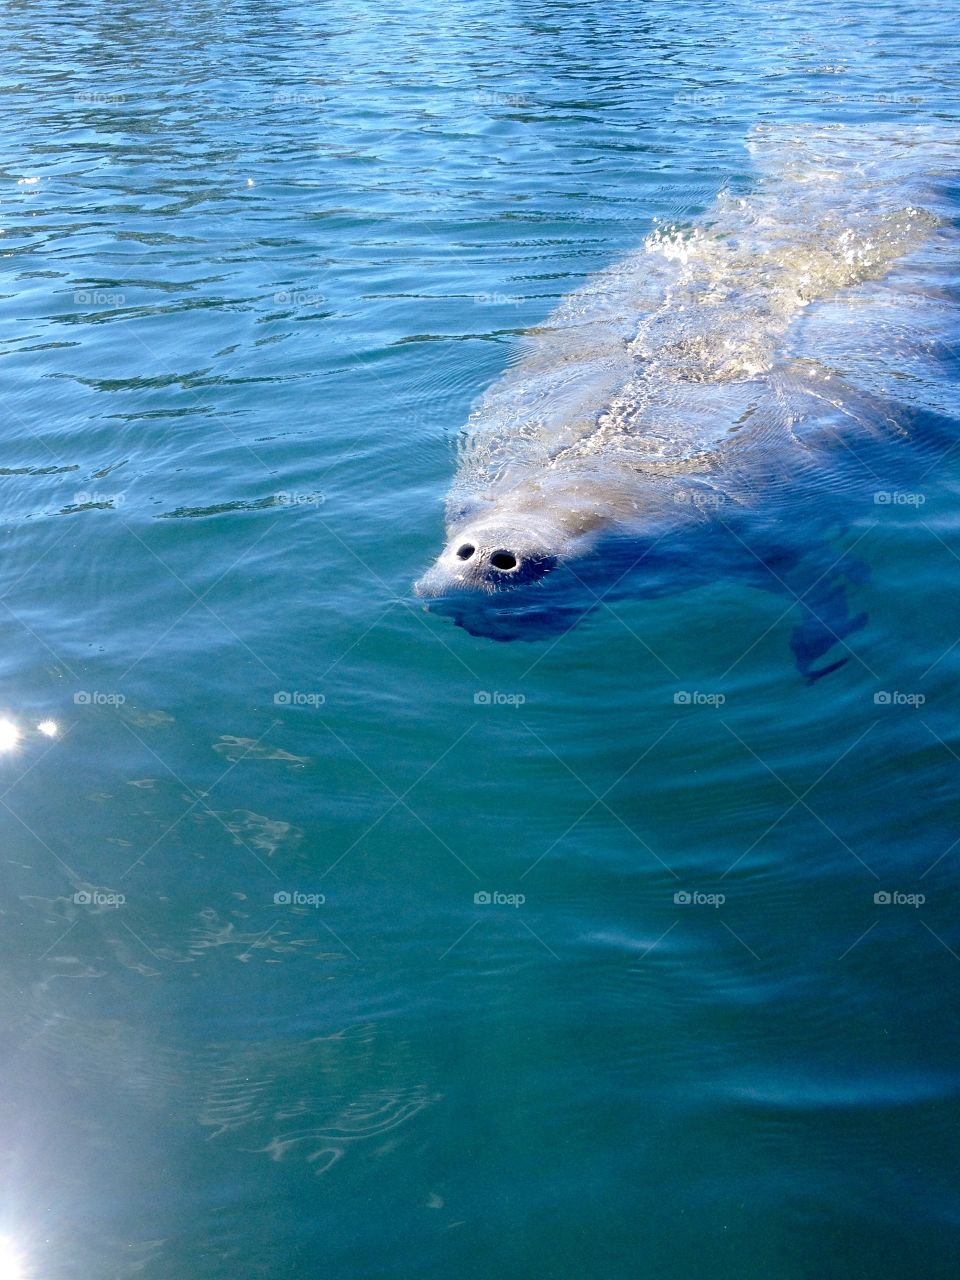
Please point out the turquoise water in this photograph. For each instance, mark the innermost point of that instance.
(259, 261)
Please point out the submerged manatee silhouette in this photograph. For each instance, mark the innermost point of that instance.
(719, 401)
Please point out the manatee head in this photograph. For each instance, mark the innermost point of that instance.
(509, 574)
(532, 565)
(495, 554)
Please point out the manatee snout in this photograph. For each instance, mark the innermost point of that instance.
(520, 577)
(490, 558)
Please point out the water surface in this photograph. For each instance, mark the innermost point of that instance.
(259, 261)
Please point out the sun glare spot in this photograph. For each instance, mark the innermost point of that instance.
(10, 1266)
(49, 728)
(9, 737)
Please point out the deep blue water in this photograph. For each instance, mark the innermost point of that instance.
(259, 260)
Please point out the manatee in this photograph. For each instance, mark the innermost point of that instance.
(719, 401)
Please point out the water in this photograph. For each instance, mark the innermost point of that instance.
(259, 262)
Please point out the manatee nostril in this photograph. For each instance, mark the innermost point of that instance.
(466, 551)
(504, 560)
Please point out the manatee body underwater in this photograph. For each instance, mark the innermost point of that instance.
(718, 402)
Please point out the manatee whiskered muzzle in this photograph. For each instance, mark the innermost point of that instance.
(524, 581)
(489, 572)
(501, 568)
(491, 558)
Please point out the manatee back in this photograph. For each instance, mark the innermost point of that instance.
(708, 352)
